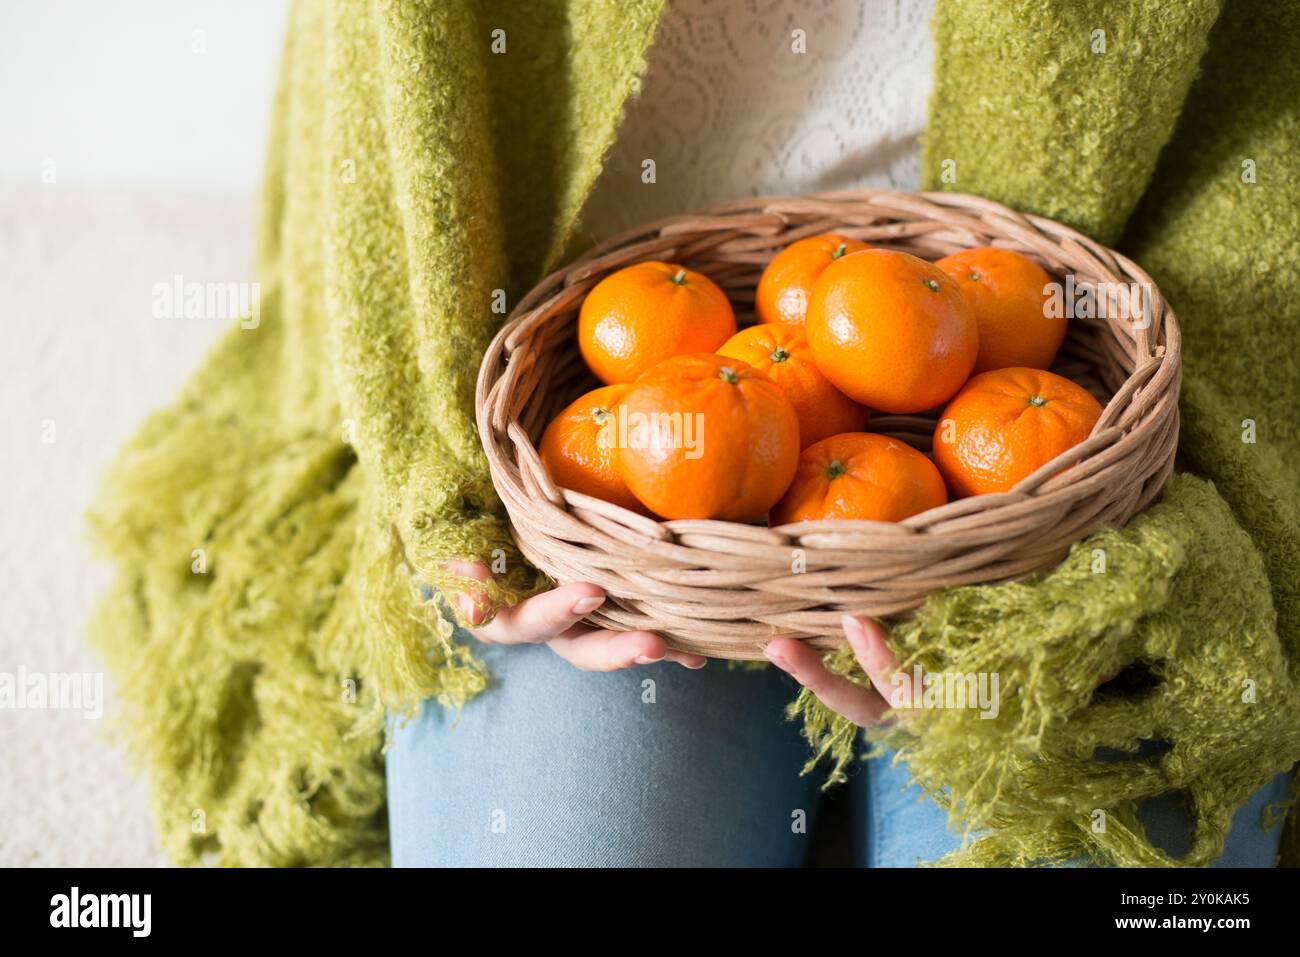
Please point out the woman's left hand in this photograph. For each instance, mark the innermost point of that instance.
(862, 706)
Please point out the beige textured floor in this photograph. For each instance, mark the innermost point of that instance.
(81, 350)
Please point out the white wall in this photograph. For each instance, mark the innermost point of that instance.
(158, 151)
(114, 93)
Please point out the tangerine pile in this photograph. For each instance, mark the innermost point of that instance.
(697, 420)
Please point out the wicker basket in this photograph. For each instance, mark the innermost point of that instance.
(725, 589)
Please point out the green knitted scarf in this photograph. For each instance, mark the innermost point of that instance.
(427, 164)
(273, 528)
(1170, 130)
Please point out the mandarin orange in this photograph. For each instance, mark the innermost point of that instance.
(863, 476)
(1009, 294)
(787, 282)
(706, 436)
(578, 453)
(1006, 424)
(781, 352)
(891, 331)
(643, 314)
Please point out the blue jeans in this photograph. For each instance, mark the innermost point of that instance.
(659, 766)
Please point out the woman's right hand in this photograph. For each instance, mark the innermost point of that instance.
(890, 690)
(552, 618)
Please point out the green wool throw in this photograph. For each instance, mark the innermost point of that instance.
(281, 529)
(1199, 597)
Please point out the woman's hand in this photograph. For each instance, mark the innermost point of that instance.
(552, 618)
(862, 706)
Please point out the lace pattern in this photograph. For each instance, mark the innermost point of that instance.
(729, 107)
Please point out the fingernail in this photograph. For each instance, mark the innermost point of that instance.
(776, 659)
(585, 606)
(645, 660)
(853, 630)
(702, 663)
(467, 608)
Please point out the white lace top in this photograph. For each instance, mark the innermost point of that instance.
(751, 97)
